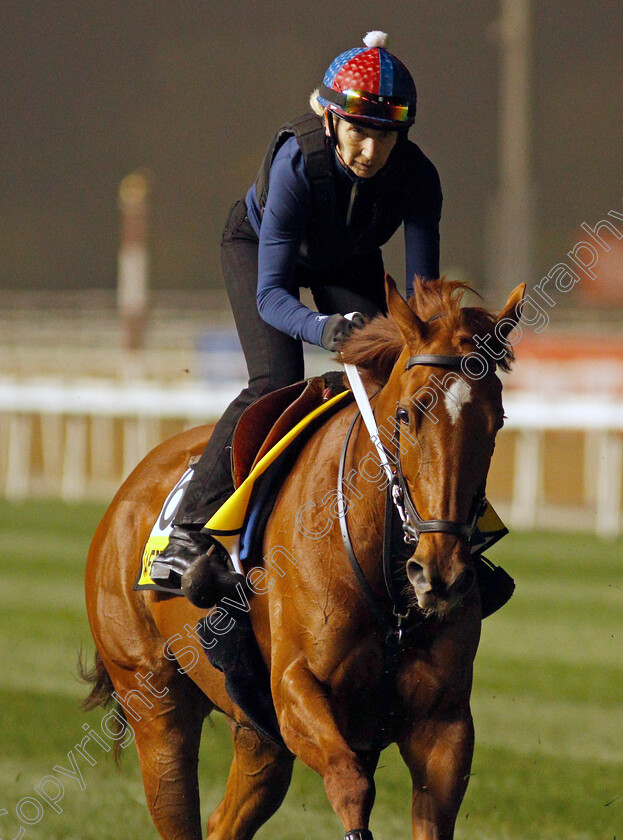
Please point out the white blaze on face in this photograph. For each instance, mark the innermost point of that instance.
(455, 398)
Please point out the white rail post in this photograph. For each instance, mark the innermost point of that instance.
(74, 477)
(102, 440)
(592, 445)
(51, 451)
(17, 483)
(140, 434)
(528, 478)
(608, 516)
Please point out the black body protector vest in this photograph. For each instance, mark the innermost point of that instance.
(392, 200)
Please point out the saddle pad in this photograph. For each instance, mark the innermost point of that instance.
(489, 529)
(159, 536)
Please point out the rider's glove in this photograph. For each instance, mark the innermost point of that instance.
(337, 329)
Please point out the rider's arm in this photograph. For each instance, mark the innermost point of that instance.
(288, 209)
(421, 222)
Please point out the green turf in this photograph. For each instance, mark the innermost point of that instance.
(547, 701)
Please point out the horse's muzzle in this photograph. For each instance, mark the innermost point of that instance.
(434, 592)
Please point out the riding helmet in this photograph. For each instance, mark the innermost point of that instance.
(370, 85)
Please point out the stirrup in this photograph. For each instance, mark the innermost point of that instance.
(210, 577)
(359, 834)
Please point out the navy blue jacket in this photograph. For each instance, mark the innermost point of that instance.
(289, 234)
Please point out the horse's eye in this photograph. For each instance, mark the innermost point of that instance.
(403, 415)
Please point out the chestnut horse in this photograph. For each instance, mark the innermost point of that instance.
(317, 633)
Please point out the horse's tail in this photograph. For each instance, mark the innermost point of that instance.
(101, 694)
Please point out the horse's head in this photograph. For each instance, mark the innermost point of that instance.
(438, 361)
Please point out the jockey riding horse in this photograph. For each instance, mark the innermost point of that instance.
(334, 186)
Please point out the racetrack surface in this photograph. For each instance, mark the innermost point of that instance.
(547, 702)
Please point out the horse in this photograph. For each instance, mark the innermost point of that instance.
(317, 631)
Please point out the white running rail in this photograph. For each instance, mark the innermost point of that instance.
(79, 439)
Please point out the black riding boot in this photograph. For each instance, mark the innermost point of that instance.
(193, 561)
(185, 545)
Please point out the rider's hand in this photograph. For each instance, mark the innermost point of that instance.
(337, 329)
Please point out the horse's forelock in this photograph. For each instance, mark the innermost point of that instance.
(434, 297)
(445, 297)
(476, 321)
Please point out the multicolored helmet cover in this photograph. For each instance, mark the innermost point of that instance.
(369, 84)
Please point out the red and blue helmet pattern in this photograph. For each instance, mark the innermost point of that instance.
(373, 70)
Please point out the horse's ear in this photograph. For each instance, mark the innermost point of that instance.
(409, 323)
(510, 315)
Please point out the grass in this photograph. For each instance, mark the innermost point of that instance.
(547, 701)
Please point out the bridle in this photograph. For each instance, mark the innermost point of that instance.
(398, 495)
(413, 524)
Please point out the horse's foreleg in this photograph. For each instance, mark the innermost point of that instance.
(310, 732)
(258, 781)
(438, 753)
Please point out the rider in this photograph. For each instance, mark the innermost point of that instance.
(342, 180)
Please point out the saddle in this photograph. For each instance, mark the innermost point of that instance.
(268, 419)
(267, 440)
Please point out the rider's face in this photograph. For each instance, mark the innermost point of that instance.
(363, 150)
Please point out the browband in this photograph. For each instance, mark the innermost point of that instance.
(434, 359)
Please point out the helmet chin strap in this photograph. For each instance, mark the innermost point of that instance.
(330, 117)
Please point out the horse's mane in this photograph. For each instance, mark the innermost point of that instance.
(376, 348)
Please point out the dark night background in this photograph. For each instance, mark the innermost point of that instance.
(192, 91)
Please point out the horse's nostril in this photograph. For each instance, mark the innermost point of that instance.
(464, 582)
(415, 572)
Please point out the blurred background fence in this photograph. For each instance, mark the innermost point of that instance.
(78, 411)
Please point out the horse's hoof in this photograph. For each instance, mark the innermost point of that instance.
(359, 834)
